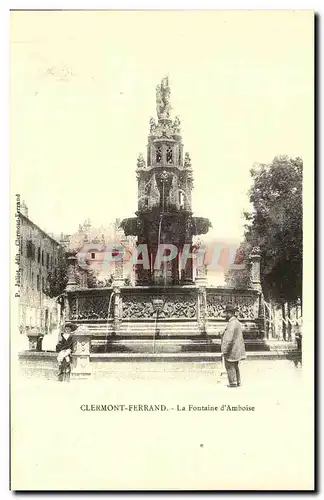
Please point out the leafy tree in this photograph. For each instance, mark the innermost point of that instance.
(106, 282)
(91, 278)
(275, 225)
(57, 279)
(240, 278)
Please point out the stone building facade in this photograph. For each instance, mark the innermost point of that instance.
(38, 255)
(96, 243)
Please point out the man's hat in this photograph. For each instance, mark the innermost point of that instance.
(70, 325)
(230, 308)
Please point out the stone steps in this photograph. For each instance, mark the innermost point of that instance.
(182, 346)
(205, 357)
(147, 329)
(44, 364)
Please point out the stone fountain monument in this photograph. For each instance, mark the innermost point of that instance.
(164, 214)
(171, 309)
(171, 313)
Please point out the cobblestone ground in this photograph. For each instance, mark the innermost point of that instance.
(270, 447)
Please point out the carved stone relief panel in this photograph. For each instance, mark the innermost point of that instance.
(246, 305)
(177, 306)
(90, 307)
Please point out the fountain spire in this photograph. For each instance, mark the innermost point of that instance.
(165, 183)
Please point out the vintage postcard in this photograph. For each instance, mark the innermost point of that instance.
(162, 287)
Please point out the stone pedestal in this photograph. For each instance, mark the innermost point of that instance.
(32, 342)
(35, 340)
(81, 368)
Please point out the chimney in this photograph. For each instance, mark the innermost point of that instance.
(24, 209)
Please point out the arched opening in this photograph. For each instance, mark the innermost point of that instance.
(158, 154)
(169, 155)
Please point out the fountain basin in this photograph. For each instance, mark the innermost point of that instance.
(190, 318)
(177, 225)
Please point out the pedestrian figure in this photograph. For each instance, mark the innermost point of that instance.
(232, 347)
(64, 349)
(299, 342)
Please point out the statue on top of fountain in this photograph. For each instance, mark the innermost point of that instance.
(163, 106)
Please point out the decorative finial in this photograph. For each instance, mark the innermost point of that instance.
(187, 160)
(163, 106)
(140, 161)
(152, 125)
(176, 125)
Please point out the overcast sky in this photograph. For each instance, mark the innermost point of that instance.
(83, 90)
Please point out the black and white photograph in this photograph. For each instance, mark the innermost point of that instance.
(162, 283)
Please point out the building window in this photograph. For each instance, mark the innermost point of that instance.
(169, 156)
(93, 255)
(37, 282)
(43, 284)
(179, 156)
(158, 154)
(51, 261)
(47, 260)
(42, 257)
(32, 281)
(31, 250)
(38, 255)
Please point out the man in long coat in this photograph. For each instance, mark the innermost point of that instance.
(232, 347)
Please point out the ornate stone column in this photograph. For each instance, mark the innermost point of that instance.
(262, 318)
(202, 309)
(71, 272)
(255, 258)
(119, 273)
(175, 270)
(117, 308)
(81, 368)
(201, 277)
(65, 308)
(35, 339)
(255, 269)
(187, 272)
